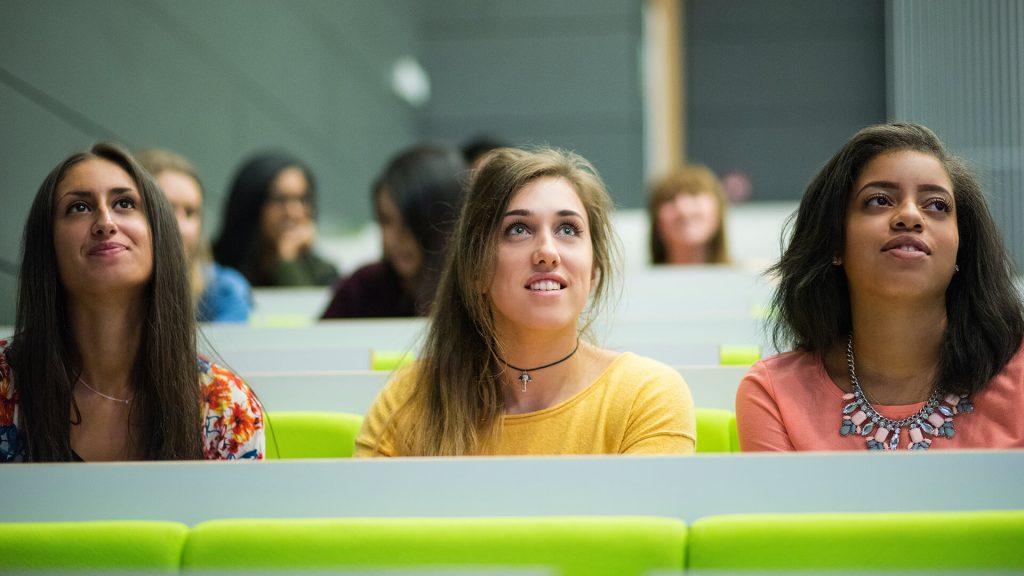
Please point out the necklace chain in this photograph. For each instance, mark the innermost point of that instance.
(934, 418)
(102, 395)
(524, 375)
(928, 408)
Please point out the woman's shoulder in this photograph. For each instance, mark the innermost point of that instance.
(373, 290)
(1009, 382)
(8, 396)
(374, 276)
(402, 382)
(796, 376)
(232, 415)
(632, 373)
(785, 363)
(5, 367)
(224, 278)
(629, 364)
(221, 387)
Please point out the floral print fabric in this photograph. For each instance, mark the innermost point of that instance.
(232, 415)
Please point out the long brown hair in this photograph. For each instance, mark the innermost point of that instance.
(46, 362)
(457, 402)
(690, 179)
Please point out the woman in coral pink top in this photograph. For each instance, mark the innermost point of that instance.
(896, 294)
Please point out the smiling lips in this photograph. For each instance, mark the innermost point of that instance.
(106, 249)
(907, 244)
(545, 283)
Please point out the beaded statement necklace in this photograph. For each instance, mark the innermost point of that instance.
(935, 418)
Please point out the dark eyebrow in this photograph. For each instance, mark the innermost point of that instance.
(886, 185)
(88, 193)
(523, 212)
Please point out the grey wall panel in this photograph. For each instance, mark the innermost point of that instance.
(213, 80)
(775, 87)
(958, 67)
(560, 73)
(34, 140)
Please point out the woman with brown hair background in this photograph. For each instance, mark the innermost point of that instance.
(687, 210)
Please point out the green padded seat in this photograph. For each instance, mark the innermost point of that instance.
(311, 434)
(567, 546)
(108, 546)
(918, 542)
(716, 430)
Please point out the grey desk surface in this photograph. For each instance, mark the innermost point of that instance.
(685, 487)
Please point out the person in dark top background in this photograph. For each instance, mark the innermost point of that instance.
(417, 200)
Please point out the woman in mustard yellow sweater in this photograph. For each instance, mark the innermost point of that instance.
(503, 369)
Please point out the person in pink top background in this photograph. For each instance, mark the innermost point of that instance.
(896, 297)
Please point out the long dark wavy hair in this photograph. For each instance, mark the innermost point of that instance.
(426, 183)
(46, 362)
(240, 244)
(457, 403)
(985, 319)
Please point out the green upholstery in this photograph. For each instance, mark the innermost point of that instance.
(909, 541)
(311, 434)
(739, 355)
(578, 546)
(131, 546)
(734, 435)
(716, 430)
(388, 360)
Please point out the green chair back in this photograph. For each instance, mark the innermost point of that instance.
(123, 546)
(578, 546)
(390, 360)
(311, 434)
(917, 542)
(738, 355)
(716, 430)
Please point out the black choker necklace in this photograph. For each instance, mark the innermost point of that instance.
(524, 375)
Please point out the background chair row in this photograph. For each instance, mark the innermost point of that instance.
(567, 546)
(293, 435)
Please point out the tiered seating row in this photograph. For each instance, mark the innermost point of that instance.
(568, 546)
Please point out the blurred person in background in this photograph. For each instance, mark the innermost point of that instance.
(417, 200)
(221, 294)
(269, 229)
(687, 211)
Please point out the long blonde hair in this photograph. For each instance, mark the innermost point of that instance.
(457, 403)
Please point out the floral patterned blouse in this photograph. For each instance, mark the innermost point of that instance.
(232, 415)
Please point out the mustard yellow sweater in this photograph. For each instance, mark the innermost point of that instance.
(636, 406)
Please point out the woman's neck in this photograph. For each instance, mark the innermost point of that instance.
(677, 254)
(544, 387)
(896, 350)
(107, 336)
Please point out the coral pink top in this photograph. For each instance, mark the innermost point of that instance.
(788, 402)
